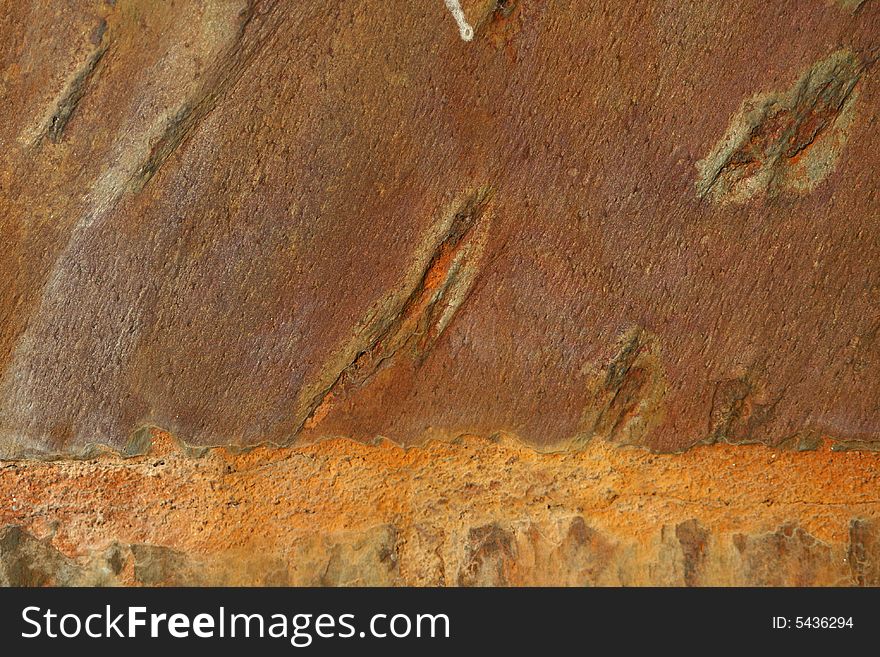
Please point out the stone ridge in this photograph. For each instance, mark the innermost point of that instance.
(785, 142)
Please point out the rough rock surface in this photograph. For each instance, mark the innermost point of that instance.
(625, 236)
(471, 513)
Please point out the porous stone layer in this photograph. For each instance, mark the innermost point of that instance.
(473, 512)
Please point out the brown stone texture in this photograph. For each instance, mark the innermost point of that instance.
(592, 297)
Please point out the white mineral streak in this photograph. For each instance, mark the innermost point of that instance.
(466, 31)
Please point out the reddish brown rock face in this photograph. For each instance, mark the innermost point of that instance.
(250, 222)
